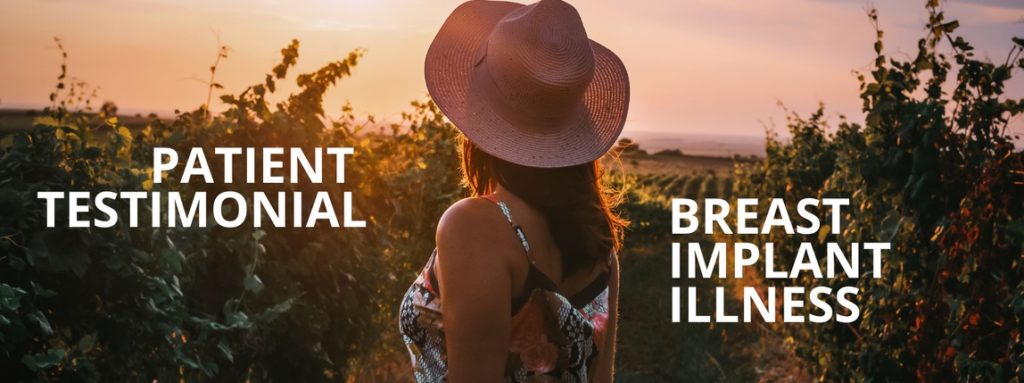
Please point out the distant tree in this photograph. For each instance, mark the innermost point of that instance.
(669, 153)
(628, 147)
(108, 109)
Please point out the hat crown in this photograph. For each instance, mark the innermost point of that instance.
(540, 61)
(525, 83)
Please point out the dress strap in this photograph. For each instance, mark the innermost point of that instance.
(515, 226)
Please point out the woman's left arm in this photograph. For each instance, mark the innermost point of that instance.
(473, 252)
(606, 358)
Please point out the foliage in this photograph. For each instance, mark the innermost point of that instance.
(245, 304)
(933, 171)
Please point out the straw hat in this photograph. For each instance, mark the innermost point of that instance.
(526, 85)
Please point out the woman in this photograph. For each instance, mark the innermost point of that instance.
(523, 284)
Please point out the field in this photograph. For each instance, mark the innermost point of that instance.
(678, 165)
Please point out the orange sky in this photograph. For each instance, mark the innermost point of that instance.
(696, 66)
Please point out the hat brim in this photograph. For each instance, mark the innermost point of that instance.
(583, 138)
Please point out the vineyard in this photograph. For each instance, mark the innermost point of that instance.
(931, 169)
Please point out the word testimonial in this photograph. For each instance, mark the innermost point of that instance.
(264, 167)
(755, 269)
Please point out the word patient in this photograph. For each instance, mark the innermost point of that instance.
(812, 261)
(266, 166)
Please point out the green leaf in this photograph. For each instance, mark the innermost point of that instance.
(124, 134)
(950, 26)
(226, 350)
(41, 361)
(189, 362)
(238, 319)
(10, 297)
(209, 368)
(276, 311)
(39, 291)
(86, 343)
(40, 320)
(253, 284)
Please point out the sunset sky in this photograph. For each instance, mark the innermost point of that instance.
(696, 66)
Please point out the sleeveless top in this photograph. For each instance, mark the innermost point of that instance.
(554, 338)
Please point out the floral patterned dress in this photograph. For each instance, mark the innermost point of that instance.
(554, 338)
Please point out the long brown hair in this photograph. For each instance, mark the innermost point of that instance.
(572, 199)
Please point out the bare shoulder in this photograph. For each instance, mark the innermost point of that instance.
(474, 225)
(467, 216)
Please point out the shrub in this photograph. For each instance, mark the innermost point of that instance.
(933, 171)
(202, 304)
